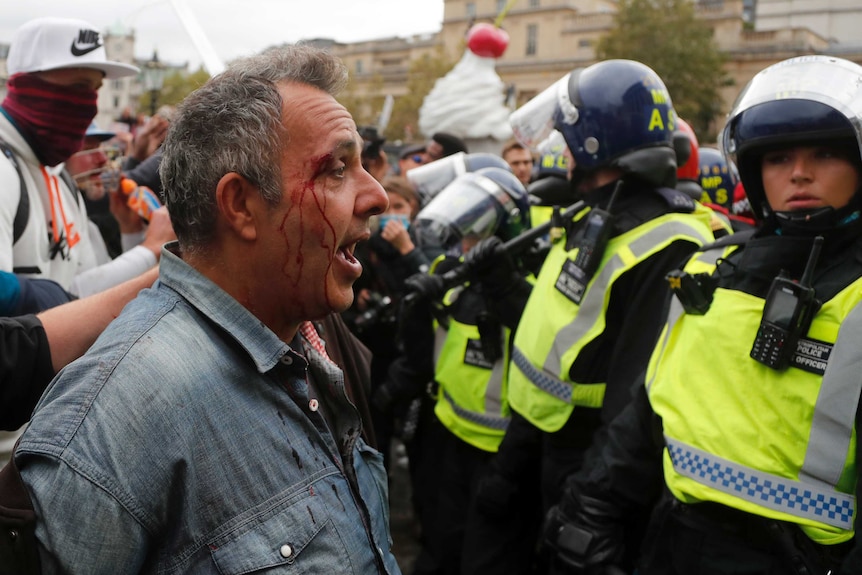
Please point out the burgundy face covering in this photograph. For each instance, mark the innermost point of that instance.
(52, 118)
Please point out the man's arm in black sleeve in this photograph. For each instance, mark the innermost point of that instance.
(25, 368)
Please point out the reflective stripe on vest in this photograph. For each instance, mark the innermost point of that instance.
(797, 498)
(471, 402)
(814, 496)
(483, 419)
(591, 310)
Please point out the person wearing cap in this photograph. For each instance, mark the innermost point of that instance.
(56, 67)
(411, 157)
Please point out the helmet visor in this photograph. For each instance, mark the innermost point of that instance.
(469, 209)
(533, 122)
(430, 178)
(835, 82)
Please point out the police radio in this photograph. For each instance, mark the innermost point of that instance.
(787, 315)
(591, 245)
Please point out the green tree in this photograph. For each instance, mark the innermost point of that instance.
(176, 87)
(403, 124)
(668, 37)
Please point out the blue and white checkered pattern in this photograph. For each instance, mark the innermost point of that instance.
(763, 489)
(540, 379)
(483, 419)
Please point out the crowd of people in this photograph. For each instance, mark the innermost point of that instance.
(608, 349)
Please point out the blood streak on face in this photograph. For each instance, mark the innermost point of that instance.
(327, 200)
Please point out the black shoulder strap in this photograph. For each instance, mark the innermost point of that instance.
(22, 214)
(677, 201)
(734, 239)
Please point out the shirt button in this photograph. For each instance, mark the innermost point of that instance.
(313, 405)
(286, 551)
(287, 360)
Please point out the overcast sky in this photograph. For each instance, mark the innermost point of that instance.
(235, 27)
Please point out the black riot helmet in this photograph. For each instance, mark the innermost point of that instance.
(475, 205)
(808, 100)
(615, 113)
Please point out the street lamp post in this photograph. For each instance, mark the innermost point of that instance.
(153, 78)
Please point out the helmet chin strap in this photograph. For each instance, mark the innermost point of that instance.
(817, 220)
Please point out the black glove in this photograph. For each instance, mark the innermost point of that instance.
(585, 534)
(486, 258)
(494, 495)
(424, 286)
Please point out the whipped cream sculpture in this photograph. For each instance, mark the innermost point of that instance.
(469, 101)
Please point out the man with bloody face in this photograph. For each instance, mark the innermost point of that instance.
(218, 436)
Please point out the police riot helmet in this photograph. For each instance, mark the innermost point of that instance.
(474, 206)
(718, 178)
(429, 179)
(807, 100)
(615, 113)
(687, 152)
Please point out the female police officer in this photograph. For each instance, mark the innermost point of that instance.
(746, 424)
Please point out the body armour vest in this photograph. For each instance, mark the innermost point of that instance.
(777, 444)
(471, 401)
(562, 316)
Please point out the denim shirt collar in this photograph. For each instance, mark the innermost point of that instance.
(261, 343)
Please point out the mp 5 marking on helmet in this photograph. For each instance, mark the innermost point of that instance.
(615, 113)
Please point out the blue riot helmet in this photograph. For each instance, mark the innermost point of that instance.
(615, 113)
(430, 178)
(718, 178)
(808, 100)
(474, 206)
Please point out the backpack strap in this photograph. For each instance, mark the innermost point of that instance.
(22, 214)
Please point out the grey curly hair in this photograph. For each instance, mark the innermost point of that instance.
(233, 123)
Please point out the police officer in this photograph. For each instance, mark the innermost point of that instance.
(596, 308)
(470, 351)
(752, 449)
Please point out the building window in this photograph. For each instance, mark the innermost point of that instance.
(359, 66)
(585, 43)
(471, 9)
(534, 3)
(118, 84)
(116, 102)
(501, 4)
(532, 36)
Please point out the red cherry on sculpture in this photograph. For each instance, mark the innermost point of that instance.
(487, 41)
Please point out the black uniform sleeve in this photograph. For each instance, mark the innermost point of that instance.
(624, 464)
(638, 312)
(25, 368)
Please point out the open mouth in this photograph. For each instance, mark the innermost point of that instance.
(346, 252)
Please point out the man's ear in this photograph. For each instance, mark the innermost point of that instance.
(239, 203)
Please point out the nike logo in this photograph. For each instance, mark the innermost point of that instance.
(86, 42)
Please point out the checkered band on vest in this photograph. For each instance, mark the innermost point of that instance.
(559, 389)
(763, 489)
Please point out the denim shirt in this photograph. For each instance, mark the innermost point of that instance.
(186, 441)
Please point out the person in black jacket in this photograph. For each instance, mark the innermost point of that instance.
(742, 432)
(33, 348)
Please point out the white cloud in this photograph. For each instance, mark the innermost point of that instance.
(236, 27)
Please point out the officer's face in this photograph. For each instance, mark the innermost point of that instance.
(807, 177)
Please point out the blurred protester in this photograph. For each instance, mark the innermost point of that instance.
(520, 159)
(245, 454)
(411, 157)
(388, 258)
(142, 161)
(36, 347)
(51, 100)
(443, 144)
(374, 158)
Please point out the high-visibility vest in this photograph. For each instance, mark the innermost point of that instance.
(554, 328)
(471, 400)
(777, 444)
